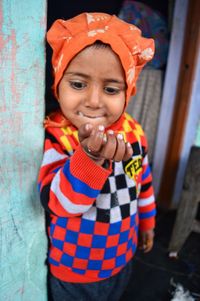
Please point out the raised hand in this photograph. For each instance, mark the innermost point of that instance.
(101, 145)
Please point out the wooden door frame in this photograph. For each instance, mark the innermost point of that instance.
(169, 90)
(182, 103)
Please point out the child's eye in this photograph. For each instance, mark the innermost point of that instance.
(77, 85)
(111, 90)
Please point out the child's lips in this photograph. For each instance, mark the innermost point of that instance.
(90, 116)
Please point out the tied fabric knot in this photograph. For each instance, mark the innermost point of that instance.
(69, 37)
(56, 120)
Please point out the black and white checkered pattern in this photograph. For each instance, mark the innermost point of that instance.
(118, 198)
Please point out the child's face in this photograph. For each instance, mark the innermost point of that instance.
(93, 89)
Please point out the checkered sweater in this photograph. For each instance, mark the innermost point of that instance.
(94, 212)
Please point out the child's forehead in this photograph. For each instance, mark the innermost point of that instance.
(97, 48)
(69, 37)
(103, 59)
(97, 45)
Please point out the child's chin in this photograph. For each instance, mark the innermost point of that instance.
(94, 121)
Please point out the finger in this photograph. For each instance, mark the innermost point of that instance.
(95, 140)
(148, 240)
(141, 242)
(121, 148)
(109, 148)
(128, 152)
(148, 246)
(84, 131)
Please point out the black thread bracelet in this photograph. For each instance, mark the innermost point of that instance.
(92, 156)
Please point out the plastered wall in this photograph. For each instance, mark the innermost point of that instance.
(22, 230)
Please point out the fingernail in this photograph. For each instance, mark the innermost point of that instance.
(120, 136)
(105, 138)
(110, 132)
(128, 144)
(88, 126)
(101, 127)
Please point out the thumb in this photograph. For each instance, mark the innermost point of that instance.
(84, 131)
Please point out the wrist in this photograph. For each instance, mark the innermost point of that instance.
(94, 156)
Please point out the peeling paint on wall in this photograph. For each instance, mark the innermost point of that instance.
(22, 230)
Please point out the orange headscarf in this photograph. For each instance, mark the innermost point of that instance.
(69, 37)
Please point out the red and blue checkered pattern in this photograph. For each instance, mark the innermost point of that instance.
(94, 212)
(85, 246)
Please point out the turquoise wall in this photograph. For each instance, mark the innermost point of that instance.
(22, 234)
(197, 141)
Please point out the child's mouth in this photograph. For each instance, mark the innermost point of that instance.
(89, 116)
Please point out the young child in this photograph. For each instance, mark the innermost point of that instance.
(95, 181)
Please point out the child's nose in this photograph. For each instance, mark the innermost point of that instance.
(94, 98)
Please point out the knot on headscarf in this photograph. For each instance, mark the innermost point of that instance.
(56, 120)
(67, 38)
